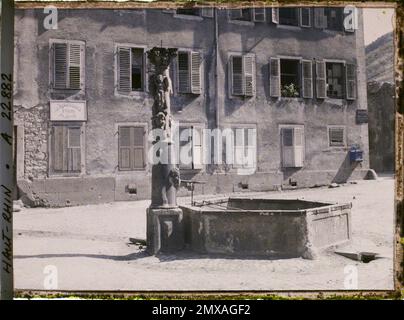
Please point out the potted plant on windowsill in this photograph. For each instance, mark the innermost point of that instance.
(290, 91)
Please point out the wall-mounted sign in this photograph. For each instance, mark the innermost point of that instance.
(362, 116)
(68, 110)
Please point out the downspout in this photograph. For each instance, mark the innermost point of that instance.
(216, 42)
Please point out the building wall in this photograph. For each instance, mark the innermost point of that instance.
(101, 181)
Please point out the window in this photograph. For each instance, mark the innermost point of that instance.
(190, 147)
(288, 16)
(66, 145)
(292, 138)
(290, 84)
(335, 80)
(240, 14)
(245, 151)
(334, 18)
(305, 17)
(68, 58)
(242, 75)
(336, 136)
(131, 148)
(259, 14)
(191, 12)
(189, 72)
(131, 71)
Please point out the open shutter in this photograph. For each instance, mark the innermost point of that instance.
(124, 146)
(249, 75)
(320, 19)
(137, 134)
(305, 17)
(350, 71)
(197, 148)
(124, 70)
(183, 72)
(207, 12)
(307, 79)
(275, 77)
(298, 147)
(275, 15)
(236, 71)
(74, 149)
(259, 14)
(60, 65)
(195, 72)
(321, 83)
(75, 66)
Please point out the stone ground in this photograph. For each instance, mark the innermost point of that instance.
(89, 247)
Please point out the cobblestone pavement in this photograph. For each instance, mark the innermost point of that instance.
(89, 248)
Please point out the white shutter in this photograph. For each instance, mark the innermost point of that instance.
(207, 12)
(287, 147)
(197, 149)
(239, 143)
(275, 15)
(183, 66)
(195, 72)
(350, 80)
(298, 147)
(251, 147)
(321, 82)
(275, 77)
(249, 75)
(305, 17)
(124, 70)
(259, 14)
(60, 65)
(320, 19)
(307, 79)
(75, 52)
(236, 75)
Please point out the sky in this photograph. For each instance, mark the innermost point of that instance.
(377, 22)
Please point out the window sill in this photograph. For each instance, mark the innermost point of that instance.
(65, 175)
(242, 23)
(133, 95)
(288, 27)
(187, 17)
(339, 102)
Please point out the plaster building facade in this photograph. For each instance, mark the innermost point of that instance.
(295, 76)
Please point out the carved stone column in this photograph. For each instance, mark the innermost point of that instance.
(164, 218)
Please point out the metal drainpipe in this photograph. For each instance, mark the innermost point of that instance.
(216, 68)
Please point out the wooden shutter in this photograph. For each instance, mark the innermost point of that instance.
(137, 134)
(275, 15)
(183, 75)
(74, 149)
(239, 147)
(207, 12)
(336, 137)
(124, 70)
(298, 147)
(275, 77)
(236, 71)
(195, 72)
(287, 147)
(124, 146)
(350, 71)
(320, 19)
(74, 66)
(251, 147)
(60, 65)
(197, 148)
(307, 79)
(321, 81)
(249, 75)
(305, 17)
(59, 156)
(259, 14)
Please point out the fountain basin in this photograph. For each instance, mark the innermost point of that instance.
(279, 228)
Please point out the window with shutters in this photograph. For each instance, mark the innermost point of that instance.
(335, 80)
(288, 16)
(130, 69)
(66, 149)
(131, 148)
(290, 78)
(242, 75)
(189, 65)
(245, 147)
(336, 136)
(190, 151)
(67, 64)
(292, 140)
(240, 14)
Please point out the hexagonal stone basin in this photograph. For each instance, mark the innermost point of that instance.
(278, 228)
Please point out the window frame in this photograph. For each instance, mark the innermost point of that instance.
(133, 93)
(297, 12)
(143, 125)
(56, 174)
(343, 63)
(174, 72)
(200, 126)
(230, 73)
(344, 137)
(299, 74)
(281, 149)
(236, 126)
